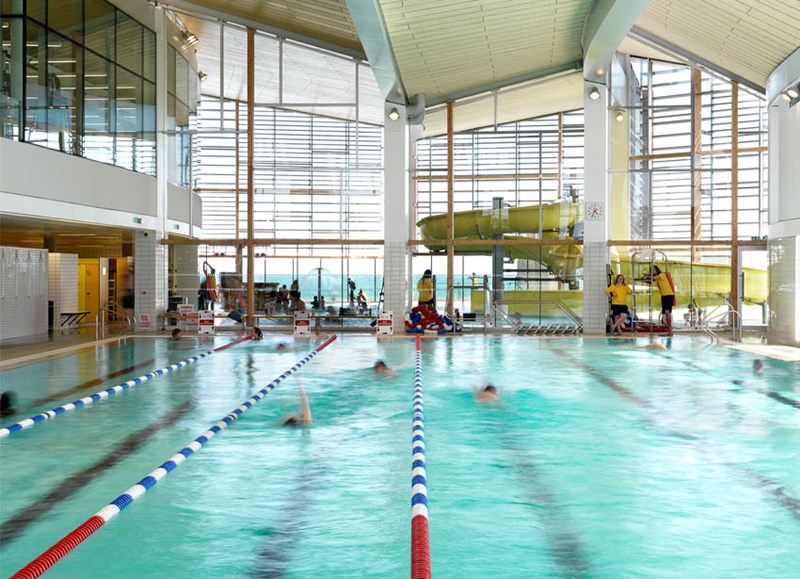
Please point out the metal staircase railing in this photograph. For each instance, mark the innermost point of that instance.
(521, 328)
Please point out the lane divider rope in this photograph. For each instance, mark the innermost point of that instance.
(420, 544)
(64, 546)
(97, 396)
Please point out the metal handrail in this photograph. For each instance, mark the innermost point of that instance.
(117, 311)
(715, 315)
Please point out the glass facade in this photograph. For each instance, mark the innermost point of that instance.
(182, 90)
(78, 76)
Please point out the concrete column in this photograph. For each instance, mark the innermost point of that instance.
(596, 218)
(396, 208)
(150, 279)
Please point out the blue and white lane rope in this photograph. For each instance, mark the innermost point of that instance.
(97, 396)
(420, 543)
(83, 531)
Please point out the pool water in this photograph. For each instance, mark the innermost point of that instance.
(597, 461)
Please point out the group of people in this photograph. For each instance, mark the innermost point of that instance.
(620, 290)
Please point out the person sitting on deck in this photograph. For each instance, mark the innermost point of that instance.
(361, 300)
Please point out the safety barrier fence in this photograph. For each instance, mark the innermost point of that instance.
(420, 544)
(83, 531)
(97, 396)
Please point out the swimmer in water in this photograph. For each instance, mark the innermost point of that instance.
(487, 394)
(177, 334)
(653, 345)
(7, 404)
(380, 367)
(282, 347)
(256, 333)
(758, 366)
(305, 412)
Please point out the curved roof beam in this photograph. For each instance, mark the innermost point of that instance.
(371, 27)
(785, 75)
(605, 28)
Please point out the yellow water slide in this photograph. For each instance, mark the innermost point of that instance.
(708, 284)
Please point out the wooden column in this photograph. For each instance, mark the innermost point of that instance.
(734, 197)
(695, 162)
(251, 92)
(450, 217)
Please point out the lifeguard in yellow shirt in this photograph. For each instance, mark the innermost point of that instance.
(666, 288)
(619, 292)
(425, 289)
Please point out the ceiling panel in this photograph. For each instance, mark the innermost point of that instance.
(445, 48)
(536, 99)
(749, 38)
(327, 20)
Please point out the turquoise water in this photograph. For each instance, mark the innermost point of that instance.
(598, 461)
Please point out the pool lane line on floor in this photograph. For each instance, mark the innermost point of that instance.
(88, 384)
(274, 556)
(17, 524)
(103, 394)
(83, 531)
(564, 543)
(778, 397)
(778, 491)
(420, 543)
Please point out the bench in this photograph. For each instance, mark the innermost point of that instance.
(70, 320)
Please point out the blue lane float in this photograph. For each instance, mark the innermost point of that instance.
(83, 531)
(420, 542)
(108, 392)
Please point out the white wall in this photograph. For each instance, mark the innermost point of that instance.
(23, 292)
(38, 172)
(62, 287)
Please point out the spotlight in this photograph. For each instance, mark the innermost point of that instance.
(191, 39)
(594, 94)
(620, 116)
(793, 92)
(785, 96)
(202, 76)
(394, 114)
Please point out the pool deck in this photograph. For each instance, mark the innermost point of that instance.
(19, 352)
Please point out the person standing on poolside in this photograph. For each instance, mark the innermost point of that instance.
(666, 288)
(425, 290)
(619, 292)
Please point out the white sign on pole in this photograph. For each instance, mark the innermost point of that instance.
(385, 324)
(144, 322)
(302, 324)
(206, 322)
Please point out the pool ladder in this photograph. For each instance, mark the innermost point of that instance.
(114, 311)
(728, 311)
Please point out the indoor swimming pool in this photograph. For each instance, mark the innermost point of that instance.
(597, 461)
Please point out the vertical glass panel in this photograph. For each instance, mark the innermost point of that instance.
(193, 94)
(182, 79)
(129, 43)
(128, 102)
(99, 28)
(98, 140)
(149, 54)
(37, 9)
(145, 161)
(11, 77)
(63, 59)
(64, 16)
(172, 55)
(36, 84)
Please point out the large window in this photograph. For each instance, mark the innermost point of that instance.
(181, 115)
(78, 76)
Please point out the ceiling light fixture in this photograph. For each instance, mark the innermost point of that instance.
(620, 116)
(394, 114)
(202, 76)
(793, 92)
(785, 96)
(191, 38)
(594, 94)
